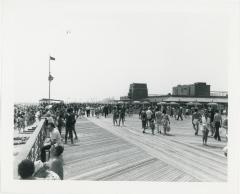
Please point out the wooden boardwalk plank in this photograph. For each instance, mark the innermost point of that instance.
(104, 152)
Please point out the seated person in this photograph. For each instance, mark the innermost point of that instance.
(26, 169)
(55, 138)
(55, 163)
(42, 171)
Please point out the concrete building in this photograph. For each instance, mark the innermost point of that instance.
(202, 89)
(175, 91)
(199, 89)
(138, 91)
(191, 90)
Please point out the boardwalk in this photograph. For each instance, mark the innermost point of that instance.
(112, 153)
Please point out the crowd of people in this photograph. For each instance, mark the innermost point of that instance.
(64, 116)
(24, 115)
(204, 119)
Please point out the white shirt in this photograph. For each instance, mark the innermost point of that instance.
(149, 114)
(55, 136)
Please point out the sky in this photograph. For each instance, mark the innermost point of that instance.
(112, 44)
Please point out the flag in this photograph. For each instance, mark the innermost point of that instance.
(52, 58)
(50, 78)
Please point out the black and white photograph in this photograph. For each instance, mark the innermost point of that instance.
(119, 92)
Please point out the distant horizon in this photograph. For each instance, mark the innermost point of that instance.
(90, 100)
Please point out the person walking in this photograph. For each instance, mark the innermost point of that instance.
(172, 108)
(184, 112)
(92, 111)
(144, 120)
(225, 126)
(158, 116)
(175, 113)
(180, 113)
(97, 111)
(60, 123)
(115, 116)
(140, 112)
(122, 115)
(212, 121)
(105, 111)
(149, 116)
(74, 126)
(205, 127)
(88, 111)
(196, 118)
(152, 123)
(165, 122)
(70, 122)
(218, 124)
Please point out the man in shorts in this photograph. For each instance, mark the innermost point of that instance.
(149, 116)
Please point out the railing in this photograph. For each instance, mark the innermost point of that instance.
(32, 149)
(219, 93)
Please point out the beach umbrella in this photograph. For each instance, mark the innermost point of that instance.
(173, 103)
(49, 106)
(145, 102)
(161, 103)
(212, 104)
(136, 102)
(197, 103)
(190, 104)
(194, 104)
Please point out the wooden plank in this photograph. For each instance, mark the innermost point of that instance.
(105, 152)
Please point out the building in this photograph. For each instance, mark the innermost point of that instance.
(175, 91)
(191, 90)
(138, 91)
(181, 90)
(202, 89)
(199, 89)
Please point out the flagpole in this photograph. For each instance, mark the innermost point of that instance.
(49, 81)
